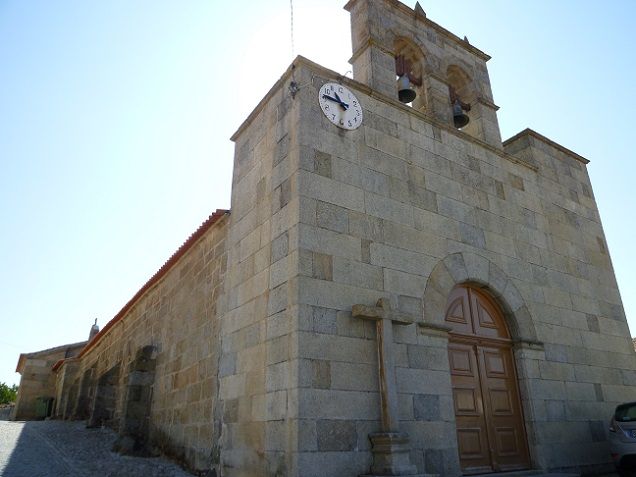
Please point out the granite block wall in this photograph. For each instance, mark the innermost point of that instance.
(405, 208)
(179, 317)
(257, 371)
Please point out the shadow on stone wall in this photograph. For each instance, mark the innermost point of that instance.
(135, 425)
(105, 400)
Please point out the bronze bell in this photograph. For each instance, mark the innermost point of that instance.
(406, 94)
(459, 117)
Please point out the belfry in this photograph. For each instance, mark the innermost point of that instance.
(395, 292)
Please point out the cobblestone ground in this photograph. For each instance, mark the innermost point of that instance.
(68, 449)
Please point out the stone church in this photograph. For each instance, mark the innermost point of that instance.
(395, 291)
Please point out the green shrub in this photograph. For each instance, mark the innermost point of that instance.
(8, 393)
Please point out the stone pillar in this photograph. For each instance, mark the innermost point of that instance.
(85, 397)
(135, 428)
(438, 97)
(483, 122)
(67, 375)
(373, 57)
(71, 400)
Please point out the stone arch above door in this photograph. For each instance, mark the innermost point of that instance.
(468, 267)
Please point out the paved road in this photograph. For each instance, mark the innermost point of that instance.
(68, 449)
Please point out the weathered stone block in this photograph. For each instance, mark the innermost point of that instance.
(365, 226)
(355, 273)
(388, 209)
(424, 357)
(322, 164)
(383, 163)
(333, 404)
(328, 242)
(472, 235)
(373, 181)
(403, 283)
(336, 435)
(557, 371)
(555, 410)
(227, 364)
(321, 374)
(328, 190)
(322, 266)
(400, 259)
(384, 142)
(278, 376)
(332, 217)
(426, 407)
(354, 376)
(280, 247)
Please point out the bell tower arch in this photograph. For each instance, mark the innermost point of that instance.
(387, 35)
(410, 64)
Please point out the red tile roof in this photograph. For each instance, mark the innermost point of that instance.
(203, 228)
(57, 364)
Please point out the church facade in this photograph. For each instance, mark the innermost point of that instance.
(390, 294)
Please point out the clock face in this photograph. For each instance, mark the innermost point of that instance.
(340, 106)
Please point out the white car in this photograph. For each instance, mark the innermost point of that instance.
(622, 436)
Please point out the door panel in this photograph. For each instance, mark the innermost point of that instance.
(490, 431)
(486, 318)
(472, 438)
(500, 401)
(458, 311)
(502, 406)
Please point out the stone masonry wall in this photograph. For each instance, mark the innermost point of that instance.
(257, 373)
(179, 317)
(587, 366)
(36, 381)
(405, 205)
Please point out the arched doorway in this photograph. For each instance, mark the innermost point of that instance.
(491, 435)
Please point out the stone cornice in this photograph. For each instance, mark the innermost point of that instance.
(433, 329)
(302, 61)
(370, 42)
(486, 102)
(531, 133)
(528, 344)
(441, 30)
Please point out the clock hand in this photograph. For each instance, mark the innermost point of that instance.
(342, 103)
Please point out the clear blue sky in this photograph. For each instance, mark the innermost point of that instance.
(115, 120)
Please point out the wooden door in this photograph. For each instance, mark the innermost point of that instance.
(490, 431)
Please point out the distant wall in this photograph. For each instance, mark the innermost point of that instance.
(5, 412)
(37, 381)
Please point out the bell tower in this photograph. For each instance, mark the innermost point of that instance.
(448, 75)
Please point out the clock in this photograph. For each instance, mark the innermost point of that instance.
(340, 106)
